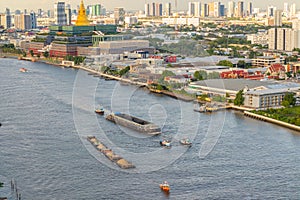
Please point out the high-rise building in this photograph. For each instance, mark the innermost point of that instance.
(293, 10)
(147, 9)
(5, 19)
(240, 9)
(119, 14)
(271, 11)
(217, 9)
(272, 41)
(249, 9)
(22, 22)
(158, 9)
(230, 9)
(278, 18)
(152, 9)
(168, 9)
(204, 10)
(68, 14)
(60, 14)
(97, 10)
(40, 12)
(222, 10)
(194, 9)
(283, 39)
(33, 20)
(286, 9)
(211, 9)
(296, 24)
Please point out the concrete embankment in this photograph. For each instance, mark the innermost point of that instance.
(274, 121)
(121, 162)
(113, 77)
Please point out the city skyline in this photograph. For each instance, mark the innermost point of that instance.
(182, 5)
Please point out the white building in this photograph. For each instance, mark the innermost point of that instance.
(230, 9)
(131, 20)
(194, 9)
(259, 38)
(268, 96)
(168, 9)
(181, 21)
(278, 18)
(293, 10)
(284, 39)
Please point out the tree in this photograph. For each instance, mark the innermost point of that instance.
(213, 75)
(241, 64)
(46, 54)
(288, 100)
(225, 63)
(31, 52)
(239, 99)
(198, 76)
(124, 71)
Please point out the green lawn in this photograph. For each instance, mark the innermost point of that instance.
(289, 115)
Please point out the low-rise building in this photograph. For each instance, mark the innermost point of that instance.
(266, 61)
(119, 47)
(270, 96)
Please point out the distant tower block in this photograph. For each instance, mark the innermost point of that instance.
(82, 19)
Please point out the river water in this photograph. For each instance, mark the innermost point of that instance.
(47, 113)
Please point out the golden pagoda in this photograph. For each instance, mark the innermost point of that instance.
(82, 19)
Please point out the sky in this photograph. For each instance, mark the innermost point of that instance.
(127, 4)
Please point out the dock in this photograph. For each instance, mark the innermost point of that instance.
(118, 160)
(211, 107)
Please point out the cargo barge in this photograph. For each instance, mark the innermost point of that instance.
(121, 162)
(134, 123)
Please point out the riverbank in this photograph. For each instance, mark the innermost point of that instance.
(122, 80)
(274, 121)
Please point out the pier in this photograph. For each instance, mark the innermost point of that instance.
(121, 162)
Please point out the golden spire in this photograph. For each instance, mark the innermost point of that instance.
(82, 19)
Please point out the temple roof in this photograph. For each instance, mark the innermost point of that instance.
(82, 19)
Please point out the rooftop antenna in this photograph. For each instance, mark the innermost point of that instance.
(175, 5)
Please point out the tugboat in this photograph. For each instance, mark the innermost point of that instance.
(165, 187)
(186, 141)
(23, 69)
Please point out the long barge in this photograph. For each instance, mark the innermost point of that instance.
(134, 123)
(121, 162)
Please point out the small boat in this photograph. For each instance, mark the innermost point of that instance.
(185, 141)
(165, 143)
(99, 111)
(165, 187)
(23, 69)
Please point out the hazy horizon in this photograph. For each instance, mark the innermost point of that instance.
(127, 4)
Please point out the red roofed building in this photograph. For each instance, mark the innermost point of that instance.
(276, 69)
(233, 74)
